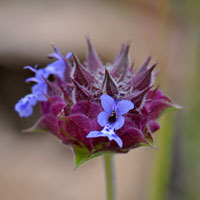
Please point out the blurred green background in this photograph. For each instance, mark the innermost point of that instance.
(37, 166)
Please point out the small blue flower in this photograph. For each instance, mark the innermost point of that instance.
(39, 90)
(111, 118)
(55, 68)
(25, 104)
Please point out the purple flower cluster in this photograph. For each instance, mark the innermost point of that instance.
(96, 108)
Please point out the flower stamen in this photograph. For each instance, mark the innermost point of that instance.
(112, 117)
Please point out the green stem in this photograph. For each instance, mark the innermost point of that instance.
(110, 177)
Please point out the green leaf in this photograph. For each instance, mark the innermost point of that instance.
(82, 155)
(150, 141)
(149, 137)
(172, 108)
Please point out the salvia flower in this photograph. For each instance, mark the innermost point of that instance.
(39, 89)
(95, 108)
(111, 118)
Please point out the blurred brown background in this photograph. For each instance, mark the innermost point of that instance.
(37, 166)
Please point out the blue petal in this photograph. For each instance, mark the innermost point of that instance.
(119, 123)
(107, 103)
(57, 68)
(39, 90)
(93, 134)
(103, 118)
(24, 105)
(117, 140)
(106, 132)
(69, 55)
(31, 68)
(32, 79)
(99, 134)
(123, 107)
(57, 54)
(43, 72)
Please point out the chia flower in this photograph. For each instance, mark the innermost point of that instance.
(95, 108)
(111, 118)
(39, 90)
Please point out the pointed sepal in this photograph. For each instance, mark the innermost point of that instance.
(82, 75)
(138, 97)
(93, 61)
(121, 64)
(145, 65)
(109, 85)
(52, 89)
(67, 72)
(66, 88)
(143, 79)
(81, 93)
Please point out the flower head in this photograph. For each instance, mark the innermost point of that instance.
(96, 108)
